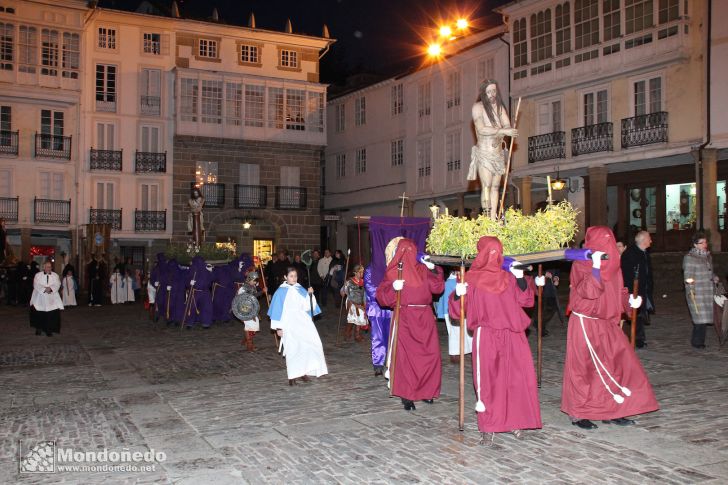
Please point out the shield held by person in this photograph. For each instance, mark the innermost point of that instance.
(245, 306)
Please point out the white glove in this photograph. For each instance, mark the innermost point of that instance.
(461, 289)
(192, 282)
(169, 288)
(518, 273)
(426, 261)
(719, 300)
(635, 302)
(156, 283)
(540, 280)
(398, 285)
(596, 258)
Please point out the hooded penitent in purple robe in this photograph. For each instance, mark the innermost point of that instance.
(177, 280)
(199, 307)
(379, 319)
(222, 292)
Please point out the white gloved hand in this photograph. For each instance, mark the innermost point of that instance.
(540, 280)
(596, 258)
(156, 283)
(192, 282)
(461, 289)
(719, 300)
(169, 288)
(426, 261)
(518, 273)
(398, 285)
(635, 302)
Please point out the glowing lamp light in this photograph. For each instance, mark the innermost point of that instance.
(445, 31)
(246, 225)
(462, 24)
(434, 50)
(558, 184)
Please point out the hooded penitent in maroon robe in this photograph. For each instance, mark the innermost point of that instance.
(503, 374)
(603, 378)
(417, 368)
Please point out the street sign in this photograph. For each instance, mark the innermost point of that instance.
(331, 217)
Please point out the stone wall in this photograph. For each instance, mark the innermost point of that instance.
(293, 230)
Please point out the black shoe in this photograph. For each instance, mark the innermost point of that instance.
(584, 424)
(428, 401)
(699, 347)
(48, 334)
(641, 345)
(619, 421)
(408, 405)
(38, 332)
(378, 373)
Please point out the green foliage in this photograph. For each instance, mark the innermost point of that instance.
(552, 228)
(184, 252)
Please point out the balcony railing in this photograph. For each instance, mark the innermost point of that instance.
(49, 211)
(9, 209)
(644, 129)
(251, 196)
(105, 216)
(52, 146)
(150, 221)
(145, 162)
(214, 194)
(546, 147)
(9, 142)
(294, 198)
(150, 105)
(592, 139)
(106, 160)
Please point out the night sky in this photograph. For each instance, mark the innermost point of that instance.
(374, 36)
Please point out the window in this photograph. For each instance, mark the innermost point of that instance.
(452, 151)
(563, 29)
(290, 176)
(207, 48)
(7, 46)
(549, 116)
(234, 104)
(360, 111)
(611, 14)
(51, 185)
(189, 99)
(49, 52)
(105, 87)
(681, 206)
(668, 10)
(152, 43)
(107, 38)
(638, 15)
(249, 174)
(206, 173)
(149, 195)
(452, 89)
(71, 55)
(275, 108)
(51, 125)
(249, 54)
(315, 112)
(6, 183)
(647, 96)
(340, 114)
(423, 158)
(341, 166)
(360, 166)
(485, 69)
(397, 99)
(105, 136)
(254, 105)
(520, 43)
(586, 23)
(5, 118)
(295, 119)
(27, 49)
(595, 107)
(150, 139)
(150, 91)
(105, 195)
(397, 153)
(424, 99)
(289, 59)
(211, 101)
(541, 36)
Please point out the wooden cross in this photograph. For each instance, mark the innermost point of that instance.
(404, 198)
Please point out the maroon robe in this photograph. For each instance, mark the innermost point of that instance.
(501, 352)
(600, 297)
(417, 366)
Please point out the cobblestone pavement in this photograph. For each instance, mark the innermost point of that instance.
(113, 379)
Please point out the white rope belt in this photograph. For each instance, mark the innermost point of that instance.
(598, 363)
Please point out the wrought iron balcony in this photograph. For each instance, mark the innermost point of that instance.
(644, 129)
(52, 146)
(150, 221)
(251, 196)
(9, 142)
(106, 160)
(105, 216)
(592, 139)
(546, 147)
(214, 194)
(293, 198)
(145, 162)
(50, 211)
(150, 105)
(9, 209)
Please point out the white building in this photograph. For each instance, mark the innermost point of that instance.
(411, 135)
(717, 102)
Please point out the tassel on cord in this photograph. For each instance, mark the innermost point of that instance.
(479, 406)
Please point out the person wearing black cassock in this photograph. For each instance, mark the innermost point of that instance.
(95, 289)
(45, 303)
(637, 258)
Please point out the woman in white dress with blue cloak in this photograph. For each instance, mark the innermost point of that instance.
(290, 315)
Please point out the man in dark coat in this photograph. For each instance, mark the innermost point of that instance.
(636, 259)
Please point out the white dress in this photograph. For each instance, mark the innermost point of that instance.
(128, 288)
(42, 301)
(68, 291)
(290, 311)
(118, 290)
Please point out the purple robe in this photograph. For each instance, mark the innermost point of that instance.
(178, 279)
(158, 277)
(223, 291)
(199, 308)
(379, 320)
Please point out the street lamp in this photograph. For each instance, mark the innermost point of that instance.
(558, 183)
(434, 50)
(445, 31)
(462, 24)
